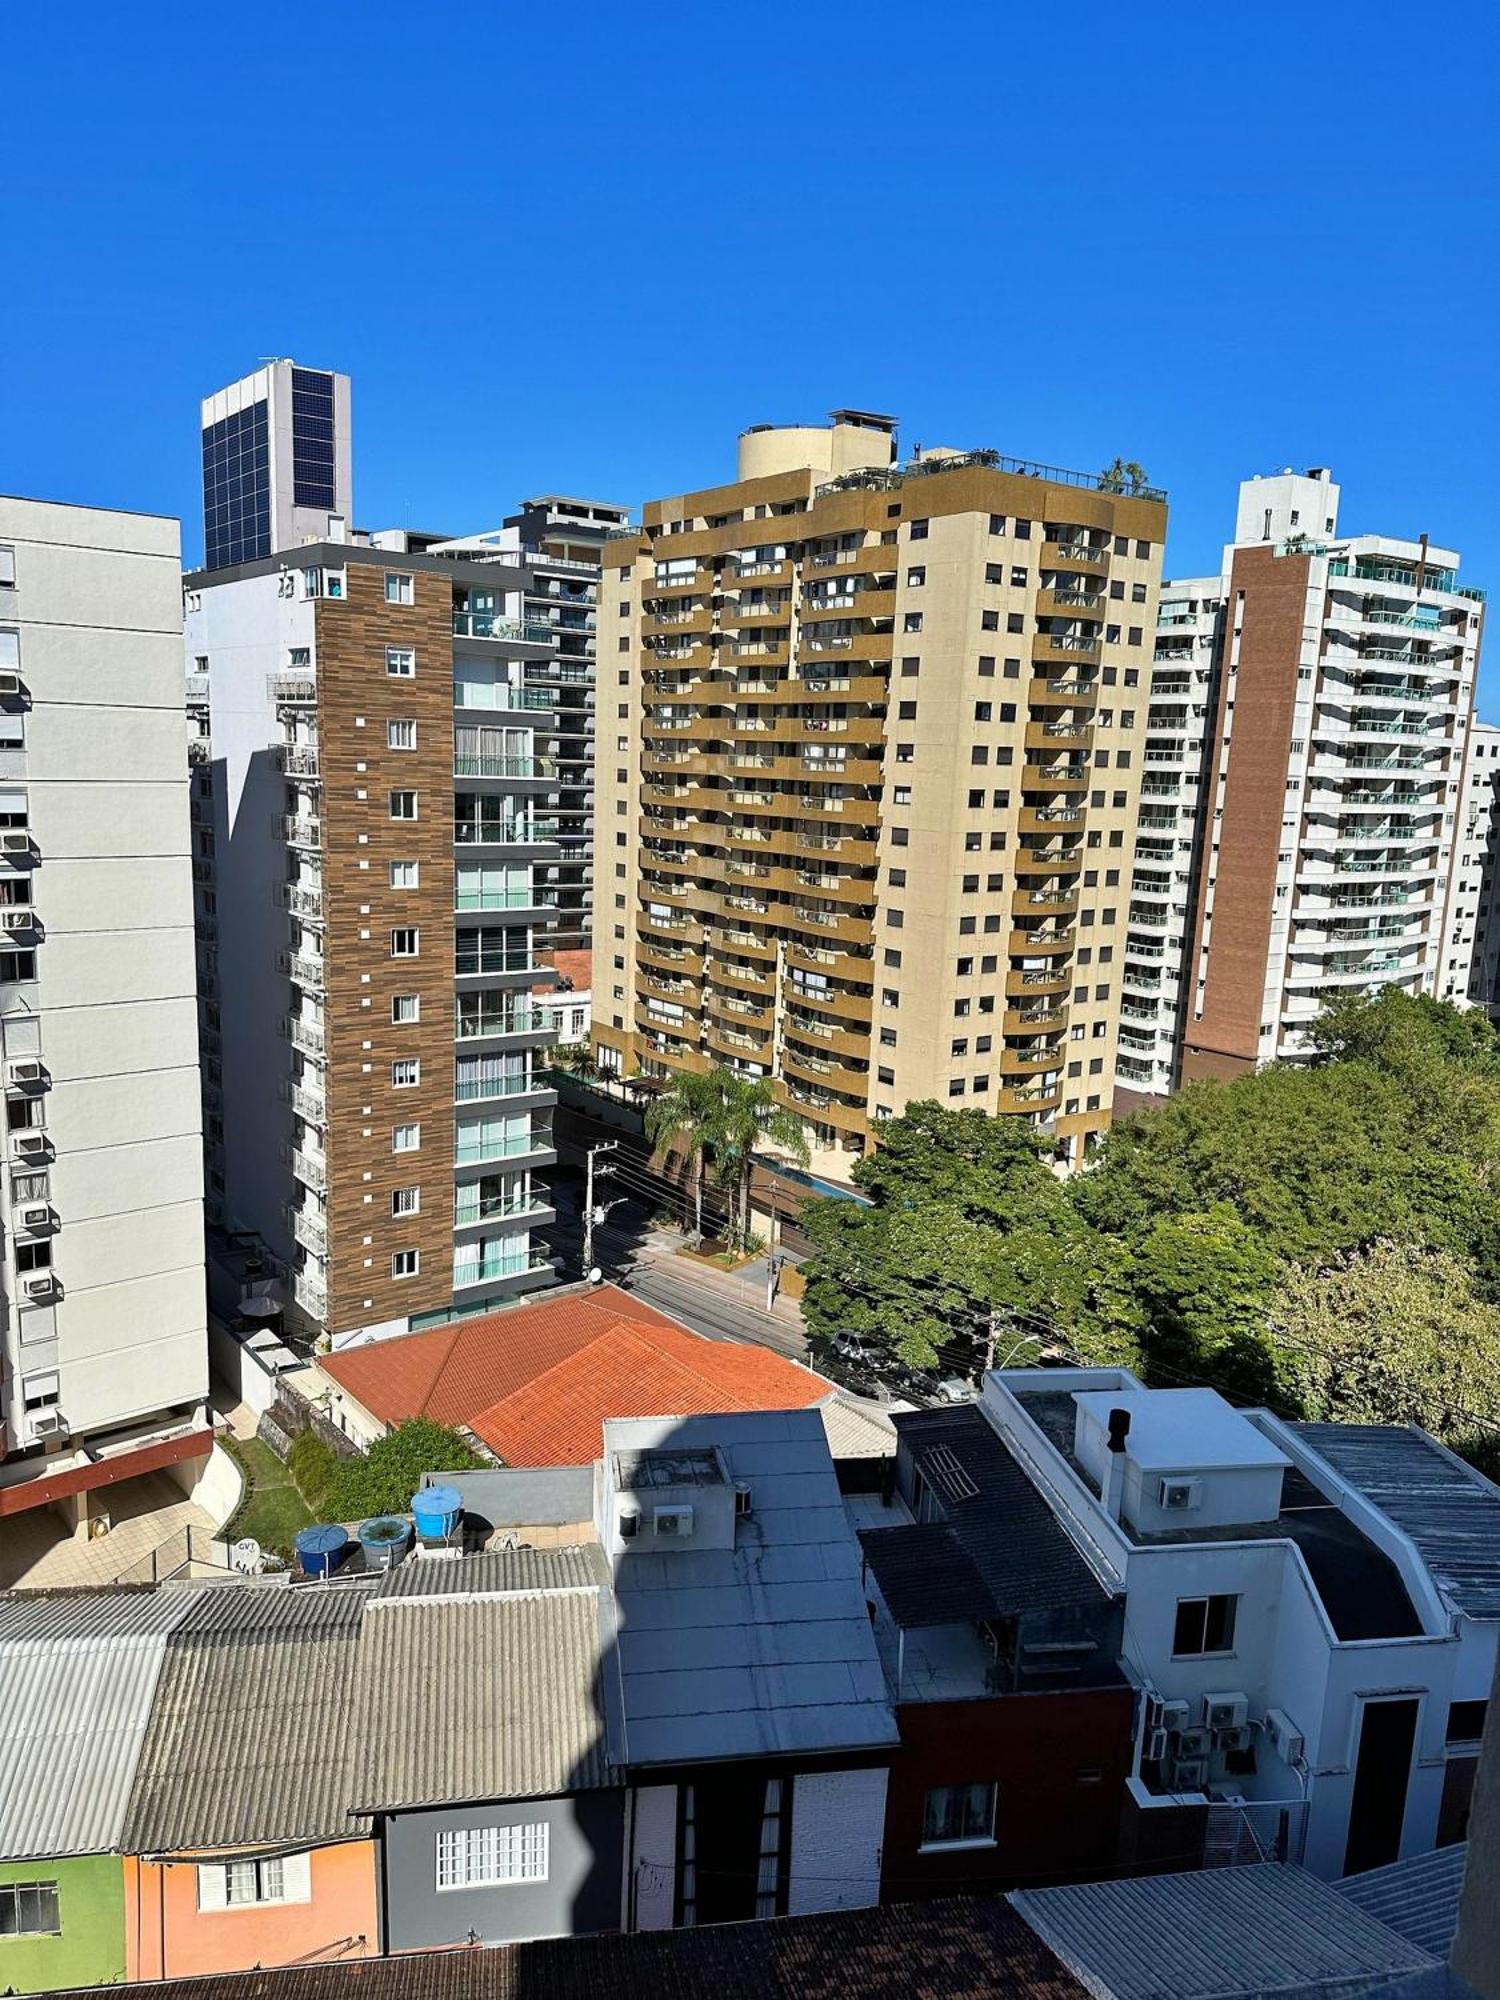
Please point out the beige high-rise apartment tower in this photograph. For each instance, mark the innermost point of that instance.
(869, 750)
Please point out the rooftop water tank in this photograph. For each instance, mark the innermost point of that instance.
(437, 1511)
(384, 1540)
(321, 1550)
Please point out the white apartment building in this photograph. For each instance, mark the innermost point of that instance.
(1169, 829)
(1471, 966)
(1297, 834)
(103, 1346)
(1311, 1609)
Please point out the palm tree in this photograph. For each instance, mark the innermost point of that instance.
(689, 1113)
(751, 1117)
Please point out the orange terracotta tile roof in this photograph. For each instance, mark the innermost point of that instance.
(576, 968)
(635, 1369)
(453, 1372)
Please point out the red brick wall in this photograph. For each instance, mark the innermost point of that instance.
(1055, 1818)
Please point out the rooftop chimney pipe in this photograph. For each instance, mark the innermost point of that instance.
(1119, 1429)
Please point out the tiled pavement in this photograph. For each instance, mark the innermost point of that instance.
(38, 1553)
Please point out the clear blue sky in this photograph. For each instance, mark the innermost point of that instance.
(580, 247)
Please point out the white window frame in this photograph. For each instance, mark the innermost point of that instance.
(985, 1839)
(405, 1008)
(401, 733)
(406, 1073)
(406, 1138)
(406, 931)
(400, 587)
(406, 875)
(406, 1201)
(401, 662)
(401, 1268)
(491, 1857)
(272, 1880)
(402, 793)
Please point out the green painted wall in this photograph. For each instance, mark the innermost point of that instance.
(91, 1910)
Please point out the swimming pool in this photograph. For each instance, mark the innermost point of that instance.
(833, 1189)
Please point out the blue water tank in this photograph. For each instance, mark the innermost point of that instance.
(437, 1511)
(321, 1550)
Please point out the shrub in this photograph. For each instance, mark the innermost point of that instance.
(384, 1482)
(312, 1465)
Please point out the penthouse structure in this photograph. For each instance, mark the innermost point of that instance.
(873, 767)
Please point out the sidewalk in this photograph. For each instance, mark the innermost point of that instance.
(746, 1286)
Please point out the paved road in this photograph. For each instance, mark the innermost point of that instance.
(711, 1309)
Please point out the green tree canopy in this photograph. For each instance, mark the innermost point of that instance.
(384, 1480)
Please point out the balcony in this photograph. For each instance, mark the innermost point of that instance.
(521, 1020)
(308, 1036)
(306, 972)
(292, 690)
(308, 1229)
(470, 1207)
(300, 760)
(504, 767)
(1032, 943)
(301, 831)
(309, 1168)
(487, 1270)
(490, 625)
(308, 1104)
(302, 902)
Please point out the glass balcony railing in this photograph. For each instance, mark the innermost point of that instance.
(491, 625)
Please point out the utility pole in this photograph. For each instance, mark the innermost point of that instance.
(773, 1261)
(589, 1218)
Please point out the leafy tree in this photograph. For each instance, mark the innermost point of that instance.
(1392, 1334)
(1204, 1281)
(383, 1481)
(979, 1163)
(577, 1058)
(751, 1117)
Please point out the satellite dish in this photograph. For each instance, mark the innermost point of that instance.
(596, 1276)
(245, 1556)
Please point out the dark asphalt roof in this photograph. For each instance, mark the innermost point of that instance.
(972, 1950)
(999, 1520)
(925, 1576)
(1450, 1511)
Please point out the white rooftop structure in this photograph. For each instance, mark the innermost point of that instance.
(1177, 1430)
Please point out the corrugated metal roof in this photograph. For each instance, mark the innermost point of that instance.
(33, 1616)
(1417, 1898)
(763, 1648)
(473, 1698)
(1449, 1510)
(856, 1433)
(924, 1575)
(1003, 1524)
(73, 1716)
(1214, 1932)
(499, 1572)
(249, 1739)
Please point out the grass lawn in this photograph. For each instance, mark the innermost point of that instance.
(272, 1509)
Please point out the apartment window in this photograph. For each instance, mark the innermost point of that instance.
(919, 531)
(983, 711)
(1204, 1625)
(406, 1074)
(994, 572)
(956, 1087)
(403, 805)
(484, 1857)
(959, 1816)
(911, 621)
(29, 1909)
(916, 577)
(910, 665)
(405, 1138)
(405, 942)
(901, 795)
(400, 663)
(403, 874)
(283, 1878)
(1018, 578)
(1466, 1721)
(1022, 530)
(906, 711)
(10, 648)
(17, 965)
(406, 1201)
(997, 524)
(406, 1007)
(7, 569)
(401, 734)
(405, 1263)
(399, 588)
(989, 621)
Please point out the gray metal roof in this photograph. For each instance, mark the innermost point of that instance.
(1417, 1898)
(78, 1675)
(480, 1698)
(1215, 1932)
(249, 1738)
(1450, 1511)
(763, 1648)
(497, 1572)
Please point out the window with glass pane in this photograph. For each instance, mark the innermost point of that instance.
(958, 1813)
(494, 1138)
(492, 951)
(29, 1909)
(492, 1076)
(482, 816)
(494, 885)
(486, 1257)
(494, 1014)
(476, 1857)
(481, 750)
(490, 1196)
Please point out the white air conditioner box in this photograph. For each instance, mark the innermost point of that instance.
(674, 1521)
(47, 1423)
(1154, 1747)
(1174, 1714)
(10, 684)
(38, 1285)
(29, 1145)
(1226, 1711)
(25, 1070)
(1286, 1738)
(15, 841)
(1194, 1743)
(35, 1216)
(18, 919)
(1190, 1774)
(1179, 1496)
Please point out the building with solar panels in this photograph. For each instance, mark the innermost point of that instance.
(277, 462)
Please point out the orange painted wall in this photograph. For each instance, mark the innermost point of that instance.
(340, 1919)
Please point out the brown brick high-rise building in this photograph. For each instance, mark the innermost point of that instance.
(867, 774)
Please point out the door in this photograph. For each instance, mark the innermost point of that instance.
(1382, 1770)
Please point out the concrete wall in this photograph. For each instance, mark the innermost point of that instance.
(582, 1892)
(112, 1009)
(169, 1936)
(90, 1951)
